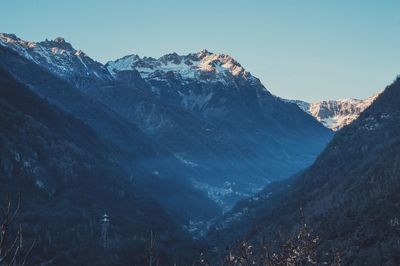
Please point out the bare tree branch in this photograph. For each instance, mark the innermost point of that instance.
(11, 248)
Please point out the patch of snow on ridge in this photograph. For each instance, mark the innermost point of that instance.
(185, 161)
(122, 64)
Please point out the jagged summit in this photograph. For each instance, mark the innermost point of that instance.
(189, 67)
(13, 40)
(59, 43)
(58, 56)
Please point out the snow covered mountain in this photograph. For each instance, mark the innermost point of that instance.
(196, 81)
(335, 114)
(59, 57)
(194, 66)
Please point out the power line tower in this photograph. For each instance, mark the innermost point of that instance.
(151, 256)
(105, 223)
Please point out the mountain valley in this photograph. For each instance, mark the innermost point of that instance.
(189, 156)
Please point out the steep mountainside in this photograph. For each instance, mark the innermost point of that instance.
(335, 114)
(68, 178)
(155, 169)
(349, 196)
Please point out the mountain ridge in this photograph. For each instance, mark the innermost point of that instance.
(58, 56)
(336, 114)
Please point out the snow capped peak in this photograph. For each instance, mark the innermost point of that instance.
(221, 62)
(219, 67)
(9, 38)
(58, 56)
(12, 40)
(335, 114)
(204, 82)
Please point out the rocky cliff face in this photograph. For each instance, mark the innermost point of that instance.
(336, 114)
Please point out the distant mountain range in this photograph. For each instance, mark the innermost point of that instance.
(335, 114)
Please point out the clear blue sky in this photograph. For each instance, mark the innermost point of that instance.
(307, 49)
